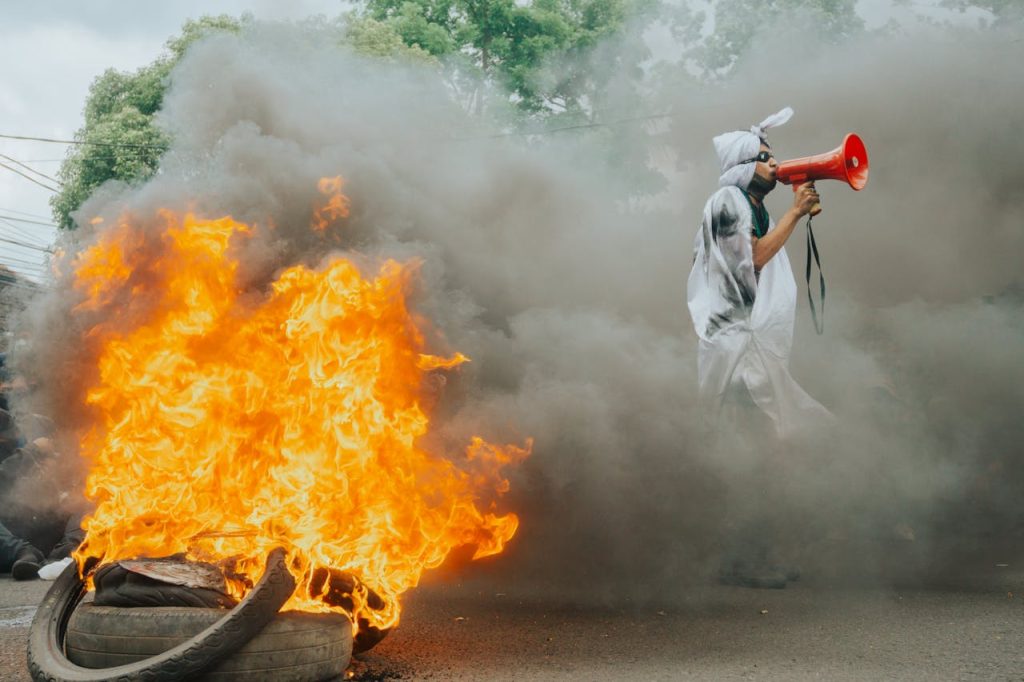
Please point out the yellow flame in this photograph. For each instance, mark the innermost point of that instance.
(336, 206)
(228, 425)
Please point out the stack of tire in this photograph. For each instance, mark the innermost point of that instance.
(87, 642)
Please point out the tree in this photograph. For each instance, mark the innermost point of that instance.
(738, 24)
(560, 63)
(1004, 12)
(375, 38)
(537, 54)
(541, 56)
(119, 140)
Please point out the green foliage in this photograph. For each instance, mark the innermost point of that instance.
(562, 63)
(738, 24)
(1004, 12)
(194, 29)
(123, 145)
(539, 52)
(119, 139)
(413, 26)
(580, 64)
(375, 38)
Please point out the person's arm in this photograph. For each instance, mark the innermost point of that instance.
(769, 245)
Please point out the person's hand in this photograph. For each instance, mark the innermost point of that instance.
(44, 445)
(805, 198)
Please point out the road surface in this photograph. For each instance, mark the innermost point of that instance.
(973, 629)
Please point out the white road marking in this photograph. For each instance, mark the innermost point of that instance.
(17, 616)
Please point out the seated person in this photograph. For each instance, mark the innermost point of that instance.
(18, 556)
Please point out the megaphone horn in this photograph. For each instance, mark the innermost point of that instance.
(847, 162)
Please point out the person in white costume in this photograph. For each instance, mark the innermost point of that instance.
(742, 297)
(741, 292)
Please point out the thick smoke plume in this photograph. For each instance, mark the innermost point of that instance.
(571, 301)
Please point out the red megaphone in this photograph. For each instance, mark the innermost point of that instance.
(847, 162)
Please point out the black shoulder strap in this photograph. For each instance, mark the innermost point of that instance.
(812, 247)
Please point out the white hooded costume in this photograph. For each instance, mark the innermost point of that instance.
(744, 320)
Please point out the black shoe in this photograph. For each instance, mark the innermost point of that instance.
(27, 564)
(758, 577)
(791, 571)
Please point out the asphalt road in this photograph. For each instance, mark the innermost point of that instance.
(972, 629)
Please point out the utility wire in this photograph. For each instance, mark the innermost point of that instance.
(28, 232)
(90, 158)
(492, 136)
(23, 269)
(81, 142)
(31, 170)
(21, 234)
(23, 283)
(34, 267)
(30, 215)
(14, 254)
(15, 242)
(26, 245)
(580, 126)
(28, 177)
(26, 220)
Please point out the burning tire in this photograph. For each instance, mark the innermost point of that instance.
(293, 646)
(46, 659)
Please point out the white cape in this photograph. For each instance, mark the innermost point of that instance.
(745, 321)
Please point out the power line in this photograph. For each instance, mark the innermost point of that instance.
(21, 283)
(23, 271)
(83, 142)
(26, 245)
(29, 242)
(90, 158)
(581, 126)
(41, 248)
(28, 177)
(18, 232)
(13, 280)
(30, 215)
(37, 268)
(26, 266)
(30, 169)
(25, 220)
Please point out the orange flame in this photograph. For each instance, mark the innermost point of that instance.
(337, 205)
(228, 424)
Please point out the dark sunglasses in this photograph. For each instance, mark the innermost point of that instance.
(761, 156)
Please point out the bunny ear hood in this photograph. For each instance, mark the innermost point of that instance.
(735, 147)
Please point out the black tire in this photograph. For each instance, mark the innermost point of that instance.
(299, 647)
(46, 660)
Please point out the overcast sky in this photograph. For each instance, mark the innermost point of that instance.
(49, 55)
(50, 52)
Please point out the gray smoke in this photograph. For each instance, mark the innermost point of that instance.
(570, 300)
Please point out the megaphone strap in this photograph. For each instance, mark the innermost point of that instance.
(812, 247)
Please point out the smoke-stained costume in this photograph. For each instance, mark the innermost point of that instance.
(744, 319)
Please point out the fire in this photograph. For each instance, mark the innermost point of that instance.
(336, 206)
(229, 424)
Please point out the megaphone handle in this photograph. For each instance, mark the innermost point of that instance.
(816, 209)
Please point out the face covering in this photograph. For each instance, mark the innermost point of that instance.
(760, 186)
(738, 146)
